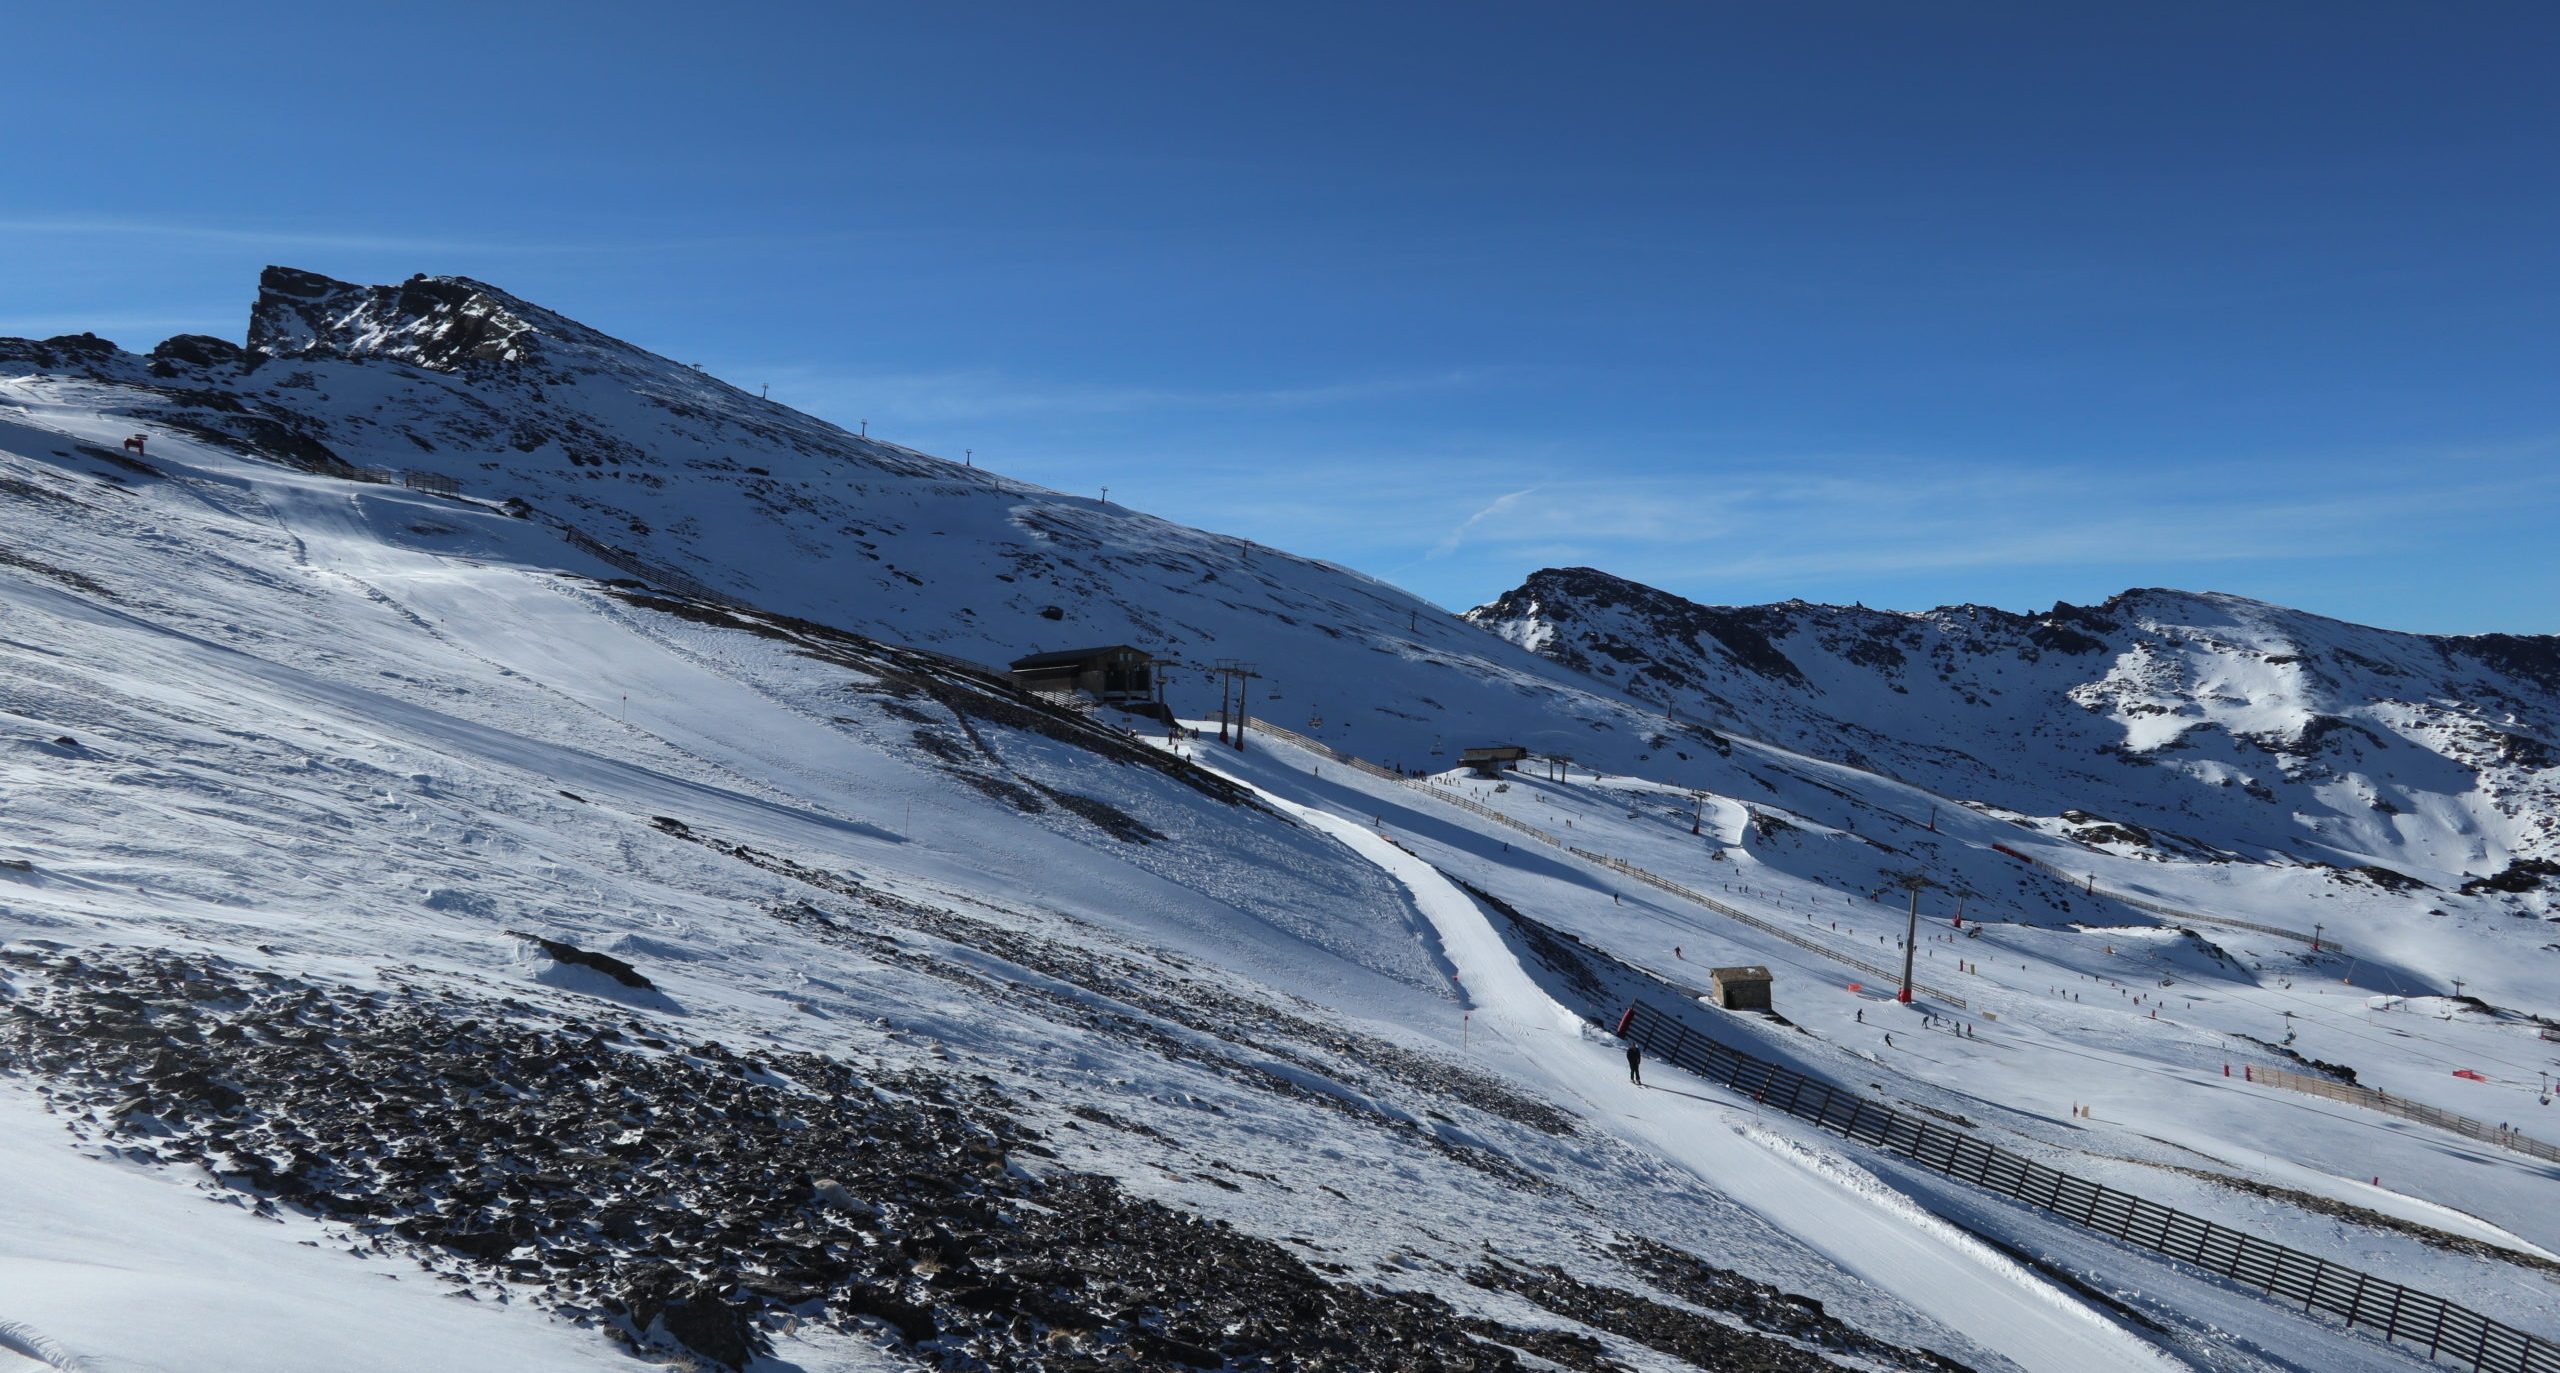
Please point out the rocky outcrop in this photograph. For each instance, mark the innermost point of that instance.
(573, 956)
(83, 354)
(445, 324)
(195, 350)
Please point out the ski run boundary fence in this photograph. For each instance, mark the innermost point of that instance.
(1620, 865)
(667, 578)
(2402, 1315)
(1322, 749)
(2173, 912)
(2406, 1109)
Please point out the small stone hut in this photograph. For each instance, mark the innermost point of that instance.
(1742, 989)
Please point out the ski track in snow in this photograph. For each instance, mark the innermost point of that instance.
(1952, 1277)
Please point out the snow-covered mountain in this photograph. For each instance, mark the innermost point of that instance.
(754, 500)
(2187, 723)
(593, 898)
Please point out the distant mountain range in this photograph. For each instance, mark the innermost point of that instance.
(2202, 724)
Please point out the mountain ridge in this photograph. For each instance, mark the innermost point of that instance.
(2264, 699)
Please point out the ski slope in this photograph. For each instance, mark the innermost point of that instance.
(1818, 1195)
(2157, 1101)
(367, 751)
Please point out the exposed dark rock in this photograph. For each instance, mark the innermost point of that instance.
(2519, 876)
(1681, 1334)
(259, 436)
(604, 963)
(2340, 1071)
(2388, 879)
(665, 1300)
(669, 1194)
(1563, 592)
(2061, 638)
(84, 354)
(199, 350)
(441, 323)
(2532, 657)
(1119, 824)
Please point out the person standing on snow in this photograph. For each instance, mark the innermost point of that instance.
(1635, 1065)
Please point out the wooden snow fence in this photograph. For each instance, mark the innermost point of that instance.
(1322, 750)
(2406, 1109)
(2174, 912)
(2414, 1320)
(664, 577)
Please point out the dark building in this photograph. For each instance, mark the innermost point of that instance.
(1114, 674)
(1742, 989)
(1490, 762)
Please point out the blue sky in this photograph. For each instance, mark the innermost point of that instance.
(1902, 304)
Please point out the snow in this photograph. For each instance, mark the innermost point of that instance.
(106, 1266)
(360, 734)
(1798, 1188)
(2155, 1089)
(2219, 723)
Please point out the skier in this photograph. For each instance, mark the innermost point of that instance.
(1862, 1015)
(1888, 1039)
(1635, 1065)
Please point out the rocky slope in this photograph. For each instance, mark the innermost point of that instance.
(658, 467)
(2159, 721)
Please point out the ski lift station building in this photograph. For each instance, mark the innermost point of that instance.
(1741, 989)
(1491, 762)
(1114, 674)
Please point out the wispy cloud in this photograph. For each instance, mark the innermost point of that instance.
(1449, 543)
(111, 325)
(1461, 527)
(297, 238)
(1876, 524)
(944, 398)
(224, 236)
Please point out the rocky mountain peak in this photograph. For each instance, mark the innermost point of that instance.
(443, 323)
